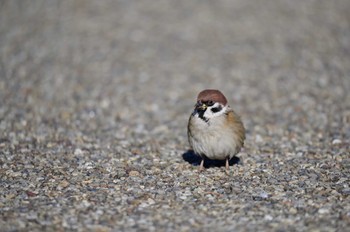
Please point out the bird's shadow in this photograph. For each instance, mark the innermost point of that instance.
(191, 157)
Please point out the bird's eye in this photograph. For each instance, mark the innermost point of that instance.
(210, 103)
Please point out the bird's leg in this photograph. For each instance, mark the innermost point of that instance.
(201, 166)
(227, 165)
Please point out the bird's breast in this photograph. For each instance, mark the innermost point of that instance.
(215, 138)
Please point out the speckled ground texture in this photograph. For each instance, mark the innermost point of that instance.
(95, 97)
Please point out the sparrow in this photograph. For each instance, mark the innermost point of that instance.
(214, 130)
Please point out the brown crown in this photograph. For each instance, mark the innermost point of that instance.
(212, 95)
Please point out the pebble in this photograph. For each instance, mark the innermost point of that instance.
(336, 142)
(134, 173)
(78, 151)
(323, 211)
(268, 217)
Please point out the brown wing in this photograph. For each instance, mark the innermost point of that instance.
(237, 126)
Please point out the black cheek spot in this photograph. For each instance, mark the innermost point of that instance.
(216, 109)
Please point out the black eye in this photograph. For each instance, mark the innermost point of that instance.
(210, 103)
(216, 109)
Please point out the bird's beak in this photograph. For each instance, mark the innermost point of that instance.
(201, 106)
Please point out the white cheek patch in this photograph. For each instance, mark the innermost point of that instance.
(215, 110)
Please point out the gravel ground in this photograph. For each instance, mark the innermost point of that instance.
(95, 98)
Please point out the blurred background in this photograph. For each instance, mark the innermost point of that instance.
(90, 65)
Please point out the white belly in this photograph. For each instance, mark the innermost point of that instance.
(213, 140)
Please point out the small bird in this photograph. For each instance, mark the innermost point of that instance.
(214, 130)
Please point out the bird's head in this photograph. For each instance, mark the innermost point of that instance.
(210, 103)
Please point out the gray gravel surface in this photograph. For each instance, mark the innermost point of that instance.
(95, 98)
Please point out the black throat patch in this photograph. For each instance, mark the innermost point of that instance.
(200, 114)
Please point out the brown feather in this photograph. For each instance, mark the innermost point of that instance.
(212, 95)
(237, 127)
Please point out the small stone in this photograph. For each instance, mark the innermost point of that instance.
(346, 191)
(262, 195)
(134, 173)
(293, 210)
(336, 142)
(268, 217)
(258, 138)
(323, 211)
(151, 201)
(63, 184)
(78, 151)
(100, 228)
(31, 194)
(85, 203)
